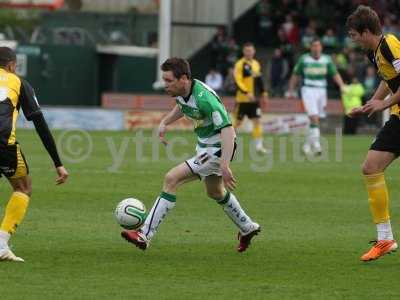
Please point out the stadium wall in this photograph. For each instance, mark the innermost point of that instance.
(132, 112)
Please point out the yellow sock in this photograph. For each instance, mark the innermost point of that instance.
(257, 132)
(378, 197)
(15, 212)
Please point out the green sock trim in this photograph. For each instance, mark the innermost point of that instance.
(225, 199)
(168, 197)
(314, 125)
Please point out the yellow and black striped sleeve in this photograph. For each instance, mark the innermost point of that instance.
(32, 112)
(239, 77)
(28, 100)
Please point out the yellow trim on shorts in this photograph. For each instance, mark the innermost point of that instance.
(22, 169)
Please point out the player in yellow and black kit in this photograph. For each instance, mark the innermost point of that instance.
(250, 90)
(16, 93)
(384, 52)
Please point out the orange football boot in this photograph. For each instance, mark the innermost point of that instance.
(379, 249)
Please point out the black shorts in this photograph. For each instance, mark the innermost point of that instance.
(388, 138)
(12, 162)
(250, 109)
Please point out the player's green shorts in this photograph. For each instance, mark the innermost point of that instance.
(12, 162)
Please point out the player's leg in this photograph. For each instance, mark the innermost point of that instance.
(237, 115)
(16, 170)
(321, 101)
(164, 203)
(310, 104)
(314, 135)
(231, 206)
(378, 197)
(257, 133)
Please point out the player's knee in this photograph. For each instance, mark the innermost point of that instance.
(25, 189)
(369, 168)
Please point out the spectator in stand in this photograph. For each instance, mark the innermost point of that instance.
(351, 98)
(229, 83)
(329, 40)
(370, 82)
(291, 30)
(264, 22)
(308, 36)
(232, 55)
(218, 49)
(340, 60)
(214, 80)
(312, 9)
(388, 24)
(357, 63)
(278, 72)
(287, 49)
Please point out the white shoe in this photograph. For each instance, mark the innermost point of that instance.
(317, 149)
(7, 255)
(262, 150)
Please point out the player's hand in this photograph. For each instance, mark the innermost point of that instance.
(251, 97)
(356, 112)
(162, 129)
(343, 88)
(227, 177)
(264, 101)
(62, 175)
(289, 95)
(373, 106)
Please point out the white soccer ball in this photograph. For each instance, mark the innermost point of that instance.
(130, 213)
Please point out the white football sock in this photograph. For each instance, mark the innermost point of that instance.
(4, 238)
(314, 135)
(164, 203)
(258, 143)
(384, 231)
(235, 212)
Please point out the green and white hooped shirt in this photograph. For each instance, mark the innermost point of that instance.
(208, 113)
(315, 71)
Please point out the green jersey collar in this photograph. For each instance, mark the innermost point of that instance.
(186, 99)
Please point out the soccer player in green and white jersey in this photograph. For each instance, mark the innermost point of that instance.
(314, 68)
(215, 150)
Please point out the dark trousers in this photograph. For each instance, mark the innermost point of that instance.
(350, 125)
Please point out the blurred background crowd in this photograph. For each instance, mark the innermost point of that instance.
(284, 30)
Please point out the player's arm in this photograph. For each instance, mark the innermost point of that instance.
(391, 53)
(333, 72)
(217, 114)
(227, 144)
(339, 81)
(174, 115)
(294, 80)
(260, 86)
(382, 91)
(377, 104)
(239, 80)
(32, 112)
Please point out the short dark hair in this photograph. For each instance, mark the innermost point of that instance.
(315, 39)
(364, 18)
(178, 66)
(7, 55)
(248, 44)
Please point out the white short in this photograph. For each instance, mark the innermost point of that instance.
(206, 162)
(314, 100)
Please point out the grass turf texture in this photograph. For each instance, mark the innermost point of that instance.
(315, 221)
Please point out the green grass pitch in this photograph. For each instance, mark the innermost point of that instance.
(314, 216)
